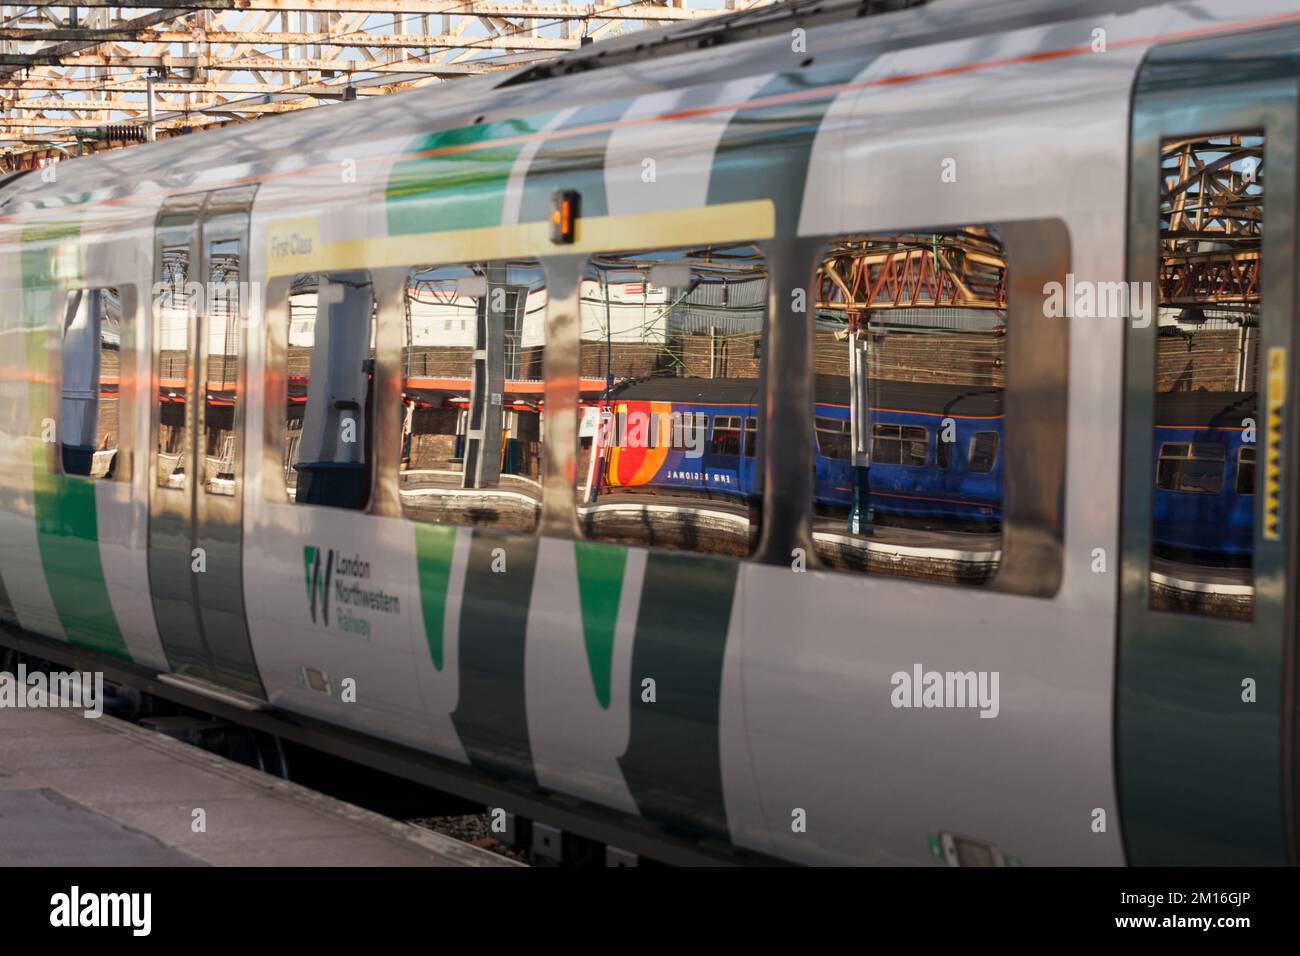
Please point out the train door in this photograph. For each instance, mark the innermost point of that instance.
(1204, 713)
(195, 509)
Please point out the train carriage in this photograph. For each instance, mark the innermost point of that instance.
(296, 408)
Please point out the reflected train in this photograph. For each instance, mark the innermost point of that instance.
(510, 661)
(1204, 467)
(911, 475)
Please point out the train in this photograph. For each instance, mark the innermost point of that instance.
(1203, 472)
(292, 431)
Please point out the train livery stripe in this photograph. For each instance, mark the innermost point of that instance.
(672, 765)
(66, 524)
(572, 162)
(751, 219)
(600, 586)
(491, 715)
(765, 150)
(434, 547)
(449, 189)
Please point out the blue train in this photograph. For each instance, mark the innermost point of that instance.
(936, 456)
(1205, 476)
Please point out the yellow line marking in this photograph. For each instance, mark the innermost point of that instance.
(294, 245)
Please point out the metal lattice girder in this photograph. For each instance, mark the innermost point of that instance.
(1211, 208)
(67, 69)
(965, 269)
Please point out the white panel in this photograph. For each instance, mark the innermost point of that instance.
(123, 525)
(682, 148)
(286, 641)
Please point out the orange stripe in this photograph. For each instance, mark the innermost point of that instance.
(1206, 428)
(912, 411)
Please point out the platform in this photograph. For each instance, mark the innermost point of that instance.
(76, 791)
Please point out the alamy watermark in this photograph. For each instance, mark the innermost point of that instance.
(922, 688)
(681, 431)
(1084, 299)
(57, 690)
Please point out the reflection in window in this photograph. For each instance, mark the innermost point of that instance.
(173, 293)
(1191, 467)
(1206, 374)
(224, 334)
(330, 389)
(832, 437)
(1246, 470)
(899, 445)
(910, 338)
(472, 394)
(92, 377)
(669, 359)
(726, 435)
(983, 452)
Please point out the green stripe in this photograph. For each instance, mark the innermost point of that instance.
(456, 190)
(600, 582)
(66, 519)
(434, 545)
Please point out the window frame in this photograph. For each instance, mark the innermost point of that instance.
(1191, 456)
(1249, 489)
(127, 354)
(513, 352)
(901, 440)
(279, 317)
(970, 452)
(1035, 402)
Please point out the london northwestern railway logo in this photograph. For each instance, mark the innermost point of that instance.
(343, 582)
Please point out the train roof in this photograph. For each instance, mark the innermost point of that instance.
(703, 52)
(921, 397)
(1202, 408)
(717, 391)
(928, 398)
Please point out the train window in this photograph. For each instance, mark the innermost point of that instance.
(92, 374)
(832, 437)
(1194, 467)
(1206, 373)
(751, 436)
(910, 337)
(690, 436)
(899, 445)
(175, 297)
(330, 396)
(726, 435)
(983, 452)
(672, 335)
(224, 333)
(1246, 470)
(473, 417)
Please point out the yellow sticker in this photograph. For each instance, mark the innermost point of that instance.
(1276, 394)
